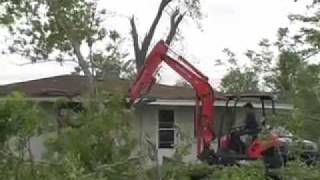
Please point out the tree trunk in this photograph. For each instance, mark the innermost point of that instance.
(85, 68)
(141, 52)
(76, 47)
(175, 20)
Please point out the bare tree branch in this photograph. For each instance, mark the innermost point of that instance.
(135, 39)
(147, 40)
(175, 20)
(142, 53)
(310, 55)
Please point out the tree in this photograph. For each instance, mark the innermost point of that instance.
(20, 120)
(238, 79)
(307, 79)
(282, 76)
(108, 64)
(276, 69)
(310, 32)
(182, 8)
(294, 78)
(240, 82)
(103, 147)
(306, 99)
(58, 30)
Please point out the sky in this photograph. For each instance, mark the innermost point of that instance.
(235, 24)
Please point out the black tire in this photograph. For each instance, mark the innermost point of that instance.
(273, 162)
(309, 158)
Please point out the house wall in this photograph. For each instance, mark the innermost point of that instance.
(147, 120)
(146, 126)
(147, 123)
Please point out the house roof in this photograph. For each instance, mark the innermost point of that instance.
(74, 85)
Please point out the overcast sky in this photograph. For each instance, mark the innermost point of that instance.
(234, 24)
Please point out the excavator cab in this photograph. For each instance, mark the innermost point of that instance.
(252, 121)
(248, 140)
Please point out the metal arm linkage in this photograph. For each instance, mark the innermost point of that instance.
(204, 94)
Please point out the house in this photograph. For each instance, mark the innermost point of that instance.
(171, 111)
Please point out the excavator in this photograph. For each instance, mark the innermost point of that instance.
(204, 109)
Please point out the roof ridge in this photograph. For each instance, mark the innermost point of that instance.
(76, 84)
(40, 79)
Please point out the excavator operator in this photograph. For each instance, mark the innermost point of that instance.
(251, 124)
(251, 128)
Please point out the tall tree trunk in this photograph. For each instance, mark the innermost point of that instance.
(175, 20)
(85, 68)
(141, 52)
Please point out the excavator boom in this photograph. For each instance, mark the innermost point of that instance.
(204, 108)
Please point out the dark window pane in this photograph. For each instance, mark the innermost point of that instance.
(166, 119)
(166, 138)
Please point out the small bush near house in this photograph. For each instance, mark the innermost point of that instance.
(19, 121)
(101, 148)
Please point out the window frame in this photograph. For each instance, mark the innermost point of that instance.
(173, 128)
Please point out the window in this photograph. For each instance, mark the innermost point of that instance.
(166, 129)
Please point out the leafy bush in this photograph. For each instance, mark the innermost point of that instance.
(102, 146)
(19, 121)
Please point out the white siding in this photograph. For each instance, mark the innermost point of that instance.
(147, 124)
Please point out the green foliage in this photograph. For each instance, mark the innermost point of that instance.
(276, 73)
(306, 99)
(19, 121)
(240, 82)
(19, 117)
(40, 25)
(185, 171)
(108, 62)
(56, 29)
(175, 167)
(238, 79)
(289, 73)
(284, 73)
(298, 83)
(253, 171)
(306, 83)
(309, 33)
(103, 147)
(269, 70)
(262, 58)
(299, 170)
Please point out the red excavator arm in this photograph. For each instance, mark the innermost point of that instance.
(204, 108)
